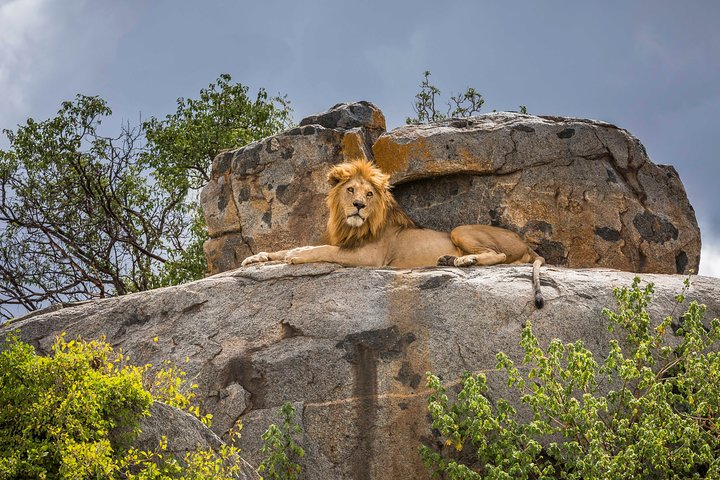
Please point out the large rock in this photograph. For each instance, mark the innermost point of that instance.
(348, 346)
(184, 433)
(271, 194)
(582, 192)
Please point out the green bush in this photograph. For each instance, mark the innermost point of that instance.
(649, 408)
(280, 448)
(57, 414)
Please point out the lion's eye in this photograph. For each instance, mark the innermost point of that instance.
(351, 190)
(369, 194)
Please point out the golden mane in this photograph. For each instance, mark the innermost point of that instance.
(386, 212)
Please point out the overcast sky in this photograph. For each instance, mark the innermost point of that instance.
(651, 67)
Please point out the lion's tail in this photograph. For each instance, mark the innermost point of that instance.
(537, 263)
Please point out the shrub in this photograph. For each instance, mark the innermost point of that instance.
(280, 448)
(660, 417)
(57, 413)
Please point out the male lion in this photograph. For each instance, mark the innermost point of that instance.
(368, 228)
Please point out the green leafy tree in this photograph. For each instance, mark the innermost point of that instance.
(84, 215)
(280, 449)
(649, 409)
(181, 146)
(426, 109)
(63, 416)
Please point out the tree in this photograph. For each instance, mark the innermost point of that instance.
(84, 215)
(648, 409)
(460, 105)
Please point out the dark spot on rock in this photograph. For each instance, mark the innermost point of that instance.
(243, 371)
(308, 130)
(135, 319)
(611, 178)
(681, 262)
(435, 282)
(194, 307)
(654, 229)
(294, 131)
(459, 123)
(223, 197)
(553, 252)
(281, 195)
(538, 226)
(290, 331)
(244, 194)
(524, 128)
(407, 376)
(287, 153)
(387, 343)
(267, 218)
(403, 405)
(246, 160)
(607, 233)
(567, 133)
(222, 163)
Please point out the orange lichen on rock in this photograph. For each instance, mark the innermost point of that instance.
(393, 157)
(353, 146)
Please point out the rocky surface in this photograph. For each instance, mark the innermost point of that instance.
(271, 194)
(184, 433)
(348, 346)
(583, 193)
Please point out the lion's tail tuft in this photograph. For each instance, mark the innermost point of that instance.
(539, 300)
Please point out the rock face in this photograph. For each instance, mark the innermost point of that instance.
(583, 193)
(349, 346)
(183, 432)
(271, 194)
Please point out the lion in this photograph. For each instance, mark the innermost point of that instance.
(366, 227)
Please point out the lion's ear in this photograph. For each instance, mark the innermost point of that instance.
(337, 175)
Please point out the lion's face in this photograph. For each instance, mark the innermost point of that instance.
(358, 202)
(358, 199)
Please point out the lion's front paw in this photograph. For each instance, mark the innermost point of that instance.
(257, 258)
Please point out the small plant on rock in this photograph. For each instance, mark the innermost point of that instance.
(280, 448)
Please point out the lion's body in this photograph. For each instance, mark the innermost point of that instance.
(366, 227)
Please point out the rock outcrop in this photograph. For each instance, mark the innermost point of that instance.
(184, 433)
(583, 193)
(349, 346)
(270, 194)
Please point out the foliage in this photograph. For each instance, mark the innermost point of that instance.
(182, 146)
(280, 448)
(57, 414)
(84, 215)
(660, 417)
(460, 105)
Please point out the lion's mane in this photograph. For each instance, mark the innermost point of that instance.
(386, 212)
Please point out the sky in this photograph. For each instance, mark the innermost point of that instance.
(651, 67)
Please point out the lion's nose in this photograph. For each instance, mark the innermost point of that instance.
(359, 204)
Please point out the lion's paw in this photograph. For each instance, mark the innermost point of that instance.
(257, 258)
(466, 261)
(446, 261)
